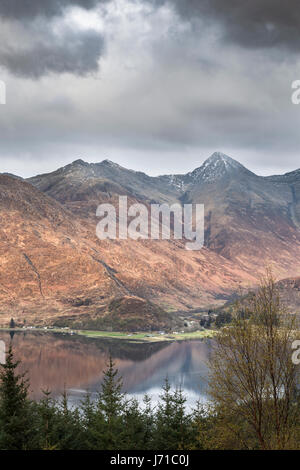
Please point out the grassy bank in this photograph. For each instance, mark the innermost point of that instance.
(134, 337)
(148, 337)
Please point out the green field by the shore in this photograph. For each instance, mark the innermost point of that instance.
(127, 336)
(149, 337)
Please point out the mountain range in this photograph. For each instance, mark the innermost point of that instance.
(54, 269)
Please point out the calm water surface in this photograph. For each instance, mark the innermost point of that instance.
(55, 361)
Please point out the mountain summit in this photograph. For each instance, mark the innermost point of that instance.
(218, 166)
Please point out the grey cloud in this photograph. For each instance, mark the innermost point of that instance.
(74, 52)
(251, 24)
(167, 96)
(22, 9)
(71, 51)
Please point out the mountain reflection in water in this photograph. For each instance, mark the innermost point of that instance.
(55, 361)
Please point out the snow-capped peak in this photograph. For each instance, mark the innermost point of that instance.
(216, 167)
(110, 163)
(219, 156)
(79, 161)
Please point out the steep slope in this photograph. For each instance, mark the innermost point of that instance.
(44, 256)
(292, 180)
(82, 186)
(250, 220)
(53, 267)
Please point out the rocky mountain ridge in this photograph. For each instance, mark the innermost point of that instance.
(54, 267)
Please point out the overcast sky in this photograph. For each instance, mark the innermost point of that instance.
(154, 85)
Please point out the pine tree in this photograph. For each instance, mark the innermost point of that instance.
(47, 421)
(68, 428)
(108, 424)
(181, 421)
(15, 416)
(88, 423)
(199, 424)
(111, 397)
(172, 425)
(134, 427)
(164, 420)
(148, 418)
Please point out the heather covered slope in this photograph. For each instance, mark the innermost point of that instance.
(82, 185)
(53, 266)
(44, 255)
(252, 221)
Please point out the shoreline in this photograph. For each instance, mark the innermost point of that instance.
(144, 337)
(138, 337)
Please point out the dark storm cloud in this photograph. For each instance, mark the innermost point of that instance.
(176, 84)
(30, 47)
(248, 23)
(21, 9)
(73, 52)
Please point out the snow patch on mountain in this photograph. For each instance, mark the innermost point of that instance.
(217, 166)
(177, 181)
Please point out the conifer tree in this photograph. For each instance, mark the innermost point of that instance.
(134, 427)
(110, 408)
(68, 428)
(111, 397)
(47, 414)
(88, 423)
(172, 424)
(148, 418)
(15, 417)
(181, 421)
